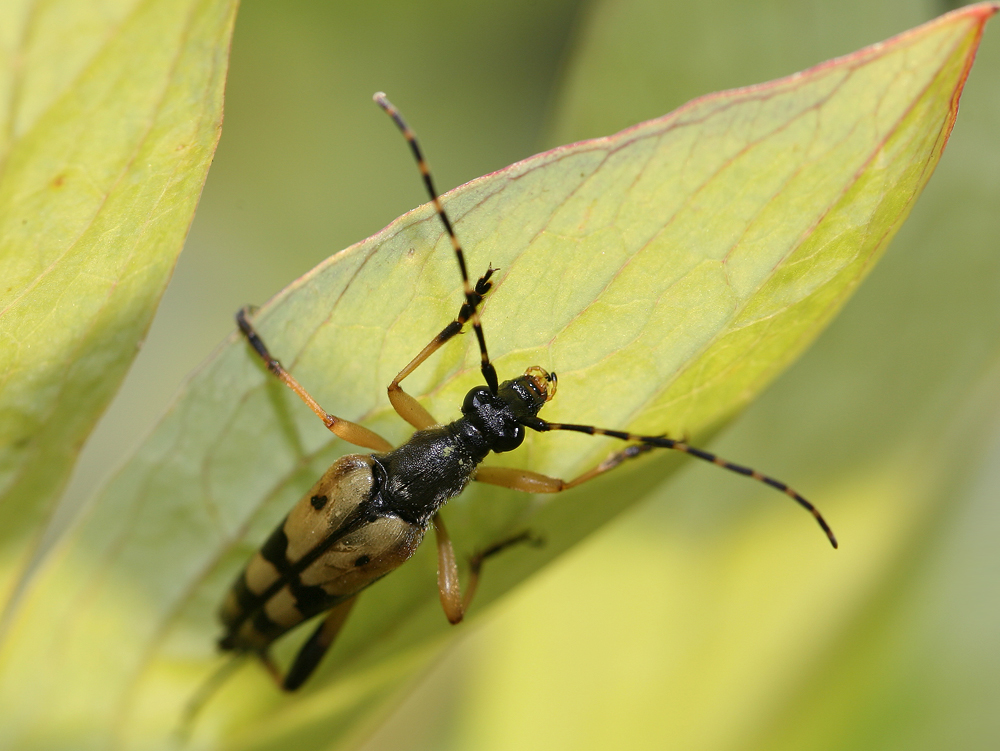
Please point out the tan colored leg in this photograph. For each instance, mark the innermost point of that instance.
(349, 431)
(448, 585)
(533, 482)
(452, 600)
(407, 406)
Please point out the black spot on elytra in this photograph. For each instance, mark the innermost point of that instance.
(318, 501)
(362, 560)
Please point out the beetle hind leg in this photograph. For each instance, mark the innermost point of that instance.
(454, 602)
(311, 652)
(317, 645)
(272, 670)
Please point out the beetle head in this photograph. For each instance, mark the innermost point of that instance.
(527, 394)
(504, 416)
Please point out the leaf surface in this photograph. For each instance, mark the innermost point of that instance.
(110, 116)
(667, 273)
(732, 631)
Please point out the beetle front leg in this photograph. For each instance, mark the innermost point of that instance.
(407, 406)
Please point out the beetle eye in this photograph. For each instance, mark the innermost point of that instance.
(474, 399)
(510, 440)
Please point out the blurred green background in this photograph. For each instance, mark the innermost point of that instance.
(696, 621)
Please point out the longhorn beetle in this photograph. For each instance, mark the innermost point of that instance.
(369, 512)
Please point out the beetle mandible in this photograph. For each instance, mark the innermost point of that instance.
(368, 513)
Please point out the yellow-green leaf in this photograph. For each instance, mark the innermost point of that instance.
(666, 273)
(731, 632)
(109, 120)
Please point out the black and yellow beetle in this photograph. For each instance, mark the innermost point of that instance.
(369, 512)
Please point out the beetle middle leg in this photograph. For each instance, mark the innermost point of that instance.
(532, 482)
(349, 431)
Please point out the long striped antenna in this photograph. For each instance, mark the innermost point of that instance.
(669, 443)
(472, 299)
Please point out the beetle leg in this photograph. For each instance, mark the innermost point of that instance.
(448, 586)
(405, 405)
(452, 600)
(349, 431)
(272, 669)
(476, 564)
(533, 482)
(314, 648)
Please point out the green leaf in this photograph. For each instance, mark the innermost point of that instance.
(666, 273)
(737, 638)
(110, 118)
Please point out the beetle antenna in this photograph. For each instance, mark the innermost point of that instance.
(471, 297)
(670, 443)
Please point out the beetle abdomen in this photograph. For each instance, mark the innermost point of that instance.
(332, 545)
